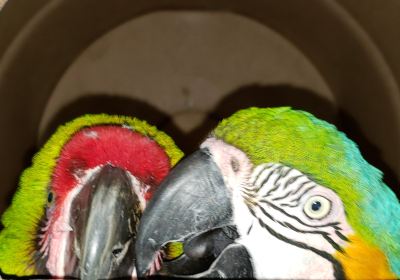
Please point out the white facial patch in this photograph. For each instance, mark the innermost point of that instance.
(61, 228)
(140, 189)
(283, 217)
(236, 170)
(297, 197)
(234, 165)
(303, 222)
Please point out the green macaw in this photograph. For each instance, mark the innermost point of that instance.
(303, 202)
(77, 207)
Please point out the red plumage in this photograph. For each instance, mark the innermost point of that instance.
(115, 145)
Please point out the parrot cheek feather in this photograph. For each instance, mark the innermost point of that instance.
(156, 264)
(30, 245)
(61, 231)
(140, 189)
(269, 233)
(151, 163)
(58, 253)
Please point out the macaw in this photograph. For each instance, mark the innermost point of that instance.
(303, 201)
(77, 207)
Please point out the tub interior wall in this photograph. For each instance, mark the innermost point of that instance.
(183, 67)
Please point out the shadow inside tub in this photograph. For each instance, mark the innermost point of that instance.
(243, 97)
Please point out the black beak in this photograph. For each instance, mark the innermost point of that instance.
(192, 201)
(104, 219)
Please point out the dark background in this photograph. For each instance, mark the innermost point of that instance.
(352, 44)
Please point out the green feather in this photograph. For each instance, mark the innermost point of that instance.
(317, 148)
(21, 219)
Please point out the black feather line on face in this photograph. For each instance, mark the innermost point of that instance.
(250, 228)
(282, 197)
(297, 199)
(291, 216)
(341, 236)
(288, 225)
(292, 180)
(303, 189)
(335, 245)
(282, 174)
(276, 185)
(248, 194)
(261, 172)
(272, 171)
(337, 267)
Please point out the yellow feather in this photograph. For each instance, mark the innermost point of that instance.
(364, 261)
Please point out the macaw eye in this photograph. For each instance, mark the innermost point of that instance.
(317, 207)
(50, 198)
(116, 252)
(172, 250)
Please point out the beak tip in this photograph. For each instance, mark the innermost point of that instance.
(143, 261)
(142, 273)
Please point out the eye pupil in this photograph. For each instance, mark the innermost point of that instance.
(316, 205)
(50, 197)
(117, 251)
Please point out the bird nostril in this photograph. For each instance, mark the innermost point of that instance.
(235, 164)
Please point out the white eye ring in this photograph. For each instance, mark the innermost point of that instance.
(317, 207)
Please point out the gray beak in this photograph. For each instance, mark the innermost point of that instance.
(193, 200)
(104, 220)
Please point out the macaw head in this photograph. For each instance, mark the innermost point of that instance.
(77, 207)
(303, 201)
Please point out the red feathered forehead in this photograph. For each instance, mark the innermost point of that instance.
(116, 145)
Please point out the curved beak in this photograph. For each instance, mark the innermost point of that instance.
(192, 201)
(104, 220)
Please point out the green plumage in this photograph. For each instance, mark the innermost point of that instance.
(21, 219)
(317, 148)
